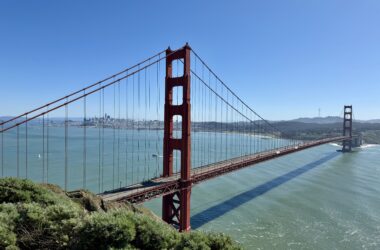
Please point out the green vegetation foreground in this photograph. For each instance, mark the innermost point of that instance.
(38, 216)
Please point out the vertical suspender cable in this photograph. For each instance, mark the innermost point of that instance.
(227, 128)
(158, 117)
(84, 140)
(209, 115)
(126, 130)
(250, 136)
(118, 138)
(221, 124)
(196, 113)
(26, 147)
(114, 136)
(138, 124)
(18, 152)
(98, 123)
(133, 126)
(149, 123)
(43, 148)
(103, 122)
(47, 146)
(66, 144)
(215, 127)
(204, 121)
(234, 134)
(145, 126)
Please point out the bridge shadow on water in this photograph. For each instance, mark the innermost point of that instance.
(220, 209)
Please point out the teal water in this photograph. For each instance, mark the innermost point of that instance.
(314, 199)
(110, 158)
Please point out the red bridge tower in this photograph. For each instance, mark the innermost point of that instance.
(176, 206)
(347, 128)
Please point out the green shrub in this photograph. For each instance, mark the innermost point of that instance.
(7, 236)
(35, 216)
(13, 190)
(221, 241)
(46, 228)
(151, 234)
(8, 218)
(104, 230)
(193, 241)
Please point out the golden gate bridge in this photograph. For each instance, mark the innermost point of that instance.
(152, 130)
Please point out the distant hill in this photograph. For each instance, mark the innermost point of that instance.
(319, 120)
(329, 120)
(373, 121)
(5, 118)
(313, 130)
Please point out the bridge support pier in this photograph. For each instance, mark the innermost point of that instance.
(347, 128)
(176, 206)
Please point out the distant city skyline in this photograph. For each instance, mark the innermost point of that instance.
(286, 60)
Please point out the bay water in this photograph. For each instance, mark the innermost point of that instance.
(314, 199)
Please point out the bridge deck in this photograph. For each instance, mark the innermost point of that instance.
(165, 185)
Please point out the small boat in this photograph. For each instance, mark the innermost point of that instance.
(39, 156)
(155, 155)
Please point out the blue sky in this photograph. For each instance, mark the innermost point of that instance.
(286, 59)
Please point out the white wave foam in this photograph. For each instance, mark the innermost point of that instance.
(369, 145)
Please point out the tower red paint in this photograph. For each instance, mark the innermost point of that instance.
(176, 206)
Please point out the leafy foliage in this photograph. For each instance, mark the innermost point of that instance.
(47, 228)
(8, 219)
(103, 230)
(152, 234)
(34, 216)
(13, 190)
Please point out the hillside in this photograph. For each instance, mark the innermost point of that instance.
(330, 119)
(370, 132)
(35, 216)
(319, 120)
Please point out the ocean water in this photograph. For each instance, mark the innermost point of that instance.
(314, 199)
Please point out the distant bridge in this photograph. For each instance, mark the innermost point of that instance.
(110, 136)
